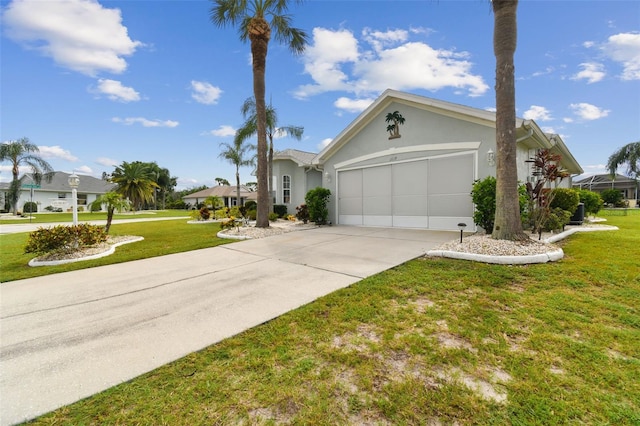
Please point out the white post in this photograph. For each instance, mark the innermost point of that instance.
(74, 181)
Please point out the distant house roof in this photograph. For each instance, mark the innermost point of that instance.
(223, 191)
(302, 158)
(60, 183)
(605, 180)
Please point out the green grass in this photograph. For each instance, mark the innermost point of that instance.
(560, 341)
(160, 238)
(46, 217)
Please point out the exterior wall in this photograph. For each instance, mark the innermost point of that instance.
(302, 180)
(49, 198)
(439, 135)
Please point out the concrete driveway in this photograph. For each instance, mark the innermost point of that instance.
(67, 336)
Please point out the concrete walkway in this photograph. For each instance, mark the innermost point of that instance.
(67, 336)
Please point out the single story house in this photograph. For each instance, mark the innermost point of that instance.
(598, 183)
(56, 194)
(409, 161)
(227, 193)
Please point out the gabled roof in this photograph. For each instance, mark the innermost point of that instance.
(301, 158)
(221, 191)
(527, 131)
(60, 183)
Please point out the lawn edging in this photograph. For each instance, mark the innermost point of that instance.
(35, 262)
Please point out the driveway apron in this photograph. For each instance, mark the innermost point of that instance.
(67, 336)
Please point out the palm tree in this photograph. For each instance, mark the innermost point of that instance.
(114, 201)
(135, 182)
(251, 18)
(23, 152)
(507, 224)
(235, 154)
(629, 155)
(250, 127)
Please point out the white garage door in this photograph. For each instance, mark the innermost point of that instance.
(431, 194)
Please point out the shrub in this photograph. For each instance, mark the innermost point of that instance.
(235, 211)
(252, 214)
(221, 213)
(612, 197)
(205, 214)
(302, 213)
(556, 219)
(592, 201)
(483, 195)
(566, 199)
(251, 205)
(291, 218)
(30, 207)
(64, 239)
(280, 210)
(273, 217)
(317, 200)
(229, 222)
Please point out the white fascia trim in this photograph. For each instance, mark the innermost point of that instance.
(404, 150)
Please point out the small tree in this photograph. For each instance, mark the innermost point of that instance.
(214, 202)
(592, 201)
(113, 202)
(547, 170)
(317, 200)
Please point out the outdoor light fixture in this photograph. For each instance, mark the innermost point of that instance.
(461, 226)
(74, 181)
(491, 158)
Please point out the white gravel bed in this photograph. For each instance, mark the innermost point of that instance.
(275, 228)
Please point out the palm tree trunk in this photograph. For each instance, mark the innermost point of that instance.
(271, 174)
(259, 33)
(237, 186)
(507, 224)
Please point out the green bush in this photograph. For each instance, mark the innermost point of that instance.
(280, 210)
(317, 200)
(251, 205)
(592, 201)
(273, 217)
(30, 207)
(221, 213)
(64, 239)
(252, 214)
(483, 195)
(557, 219)
(612, 197)
(205, 214)
(565, 199)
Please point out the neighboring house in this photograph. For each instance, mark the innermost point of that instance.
(417, 175)
(598, 183)
(226, 193)
(57, 193)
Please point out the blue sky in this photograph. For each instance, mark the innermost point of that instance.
(96, 83)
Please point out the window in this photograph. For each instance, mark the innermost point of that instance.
(286, 189)
(82, 199)
(62, 195)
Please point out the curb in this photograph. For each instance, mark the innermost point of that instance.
(551, 256)
(34, 262)
(221, 234)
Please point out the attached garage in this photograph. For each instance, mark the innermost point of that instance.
(432, 193)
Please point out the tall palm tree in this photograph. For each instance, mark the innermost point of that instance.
(629, 155)
(113, 201)
(235, 154)
(23, 153)
(250, 128)
(251, 18)
(135, 182)
(507, 224)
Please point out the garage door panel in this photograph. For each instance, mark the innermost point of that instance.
(450, 205)
(410, 205)
(350, 195)
(450, 175)
(410, 178)
(376, 181)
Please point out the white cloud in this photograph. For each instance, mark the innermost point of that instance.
(587, 111)
(85, 170)
(205, 93)
(538, 113)
(337, 61)
(81, 35)
(105, 161)
(223, 131)
(145, 122)
(352, 105)
(116, 91)
(56, 152)
(625, 49)
(324, 143)
(591, 71)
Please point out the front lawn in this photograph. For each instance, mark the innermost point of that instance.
(433, 340)
(160, 237)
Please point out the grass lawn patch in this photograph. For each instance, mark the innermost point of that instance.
(160, 238)
(430, 341)
(47, 217)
